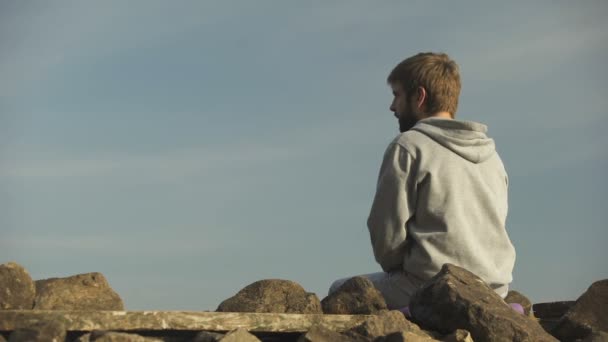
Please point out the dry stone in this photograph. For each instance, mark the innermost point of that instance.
(516, 297)
(457, 299)
(589, 313)
(112, 336)
(40, 331)
(272, 295)
(404, 336)
(459, 335)
(89, 291)
(17, 289)
(383, 324)
(319, 333)
(357, 296)
(207, 336)
(596, 336)
(239, 335)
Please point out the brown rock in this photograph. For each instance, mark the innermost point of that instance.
(111, 336)
(552, 309)
(272, 295)
(383, 324)
(40, 331)
(404, 336)
(516, 297)
(17, 289)
(596, 336)
(457, 299)
(319, 333)
(2, 339)
(207, 336)
(589, 313)
(239, 335)
(459, 335)
(89, 291)
(357, 296)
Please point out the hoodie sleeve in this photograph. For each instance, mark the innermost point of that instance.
(394, 204)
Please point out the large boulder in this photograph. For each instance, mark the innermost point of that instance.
(272, 295)
(357, 296)
(457, 299)
(383, 324)
(89, 291)
(518, 298)
(589, 313)
(17, 289)
(40, 331)
(113, 336)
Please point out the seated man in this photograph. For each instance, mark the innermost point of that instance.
(441, 195)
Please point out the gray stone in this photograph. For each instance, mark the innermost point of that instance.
(40, 331)
(383, 324)
(17, 289)
(272, 295)
(207, 336)
(239, 335)
(357, 296)
(457, 299)
(319, 333)
(589, 313)
(89, 291)
(516, 297)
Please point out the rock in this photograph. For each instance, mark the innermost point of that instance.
(457, 299)
(549, 314)
(596, 336)
(112, 336)
(357, 296)
(404, 336)
(319, 333)
(89, 291)
(207, 336)
(459, 335)
(272, 295)
(2, 339)
(383, 324)
(589, 313)
(516, 297)
(17, 289)
(40, 331)
(239, 335)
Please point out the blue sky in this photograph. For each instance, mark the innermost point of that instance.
(186, 149)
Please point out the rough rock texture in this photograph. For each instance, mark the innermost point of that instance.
(207, 336)
(272, 295)
(239, 335)
(596, 336)
(40, 331)
(357, 296)
(112, 336)
(17, 289)
(516, 297)
(457, 299)
(89, 291)
(459, 335)
(404, 336)
(383, 324)
(319, 333)
(589, 313)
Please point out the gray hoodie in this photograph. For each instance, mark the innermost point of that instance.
(441, 198)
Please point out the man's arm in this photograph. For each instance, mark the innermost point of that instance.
(394, 204)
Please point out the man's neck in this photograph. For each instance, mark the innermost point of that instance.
(442, 115)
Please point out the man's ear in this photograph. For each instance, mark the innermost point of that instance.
(421, 97)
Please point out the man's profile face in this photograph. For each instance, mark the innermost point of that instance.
(402, 108)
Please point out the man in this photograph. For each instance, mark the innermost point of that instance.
(441, 195)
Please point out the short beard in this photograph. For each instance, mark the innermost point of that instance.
(405, 124)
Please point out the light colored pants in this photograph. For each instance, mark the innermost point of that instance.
(396, 287)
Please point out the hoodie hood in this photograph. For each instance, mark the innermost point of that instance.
(466, 138)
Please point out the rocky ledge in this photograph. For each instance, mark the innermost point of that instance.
(455, 305)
